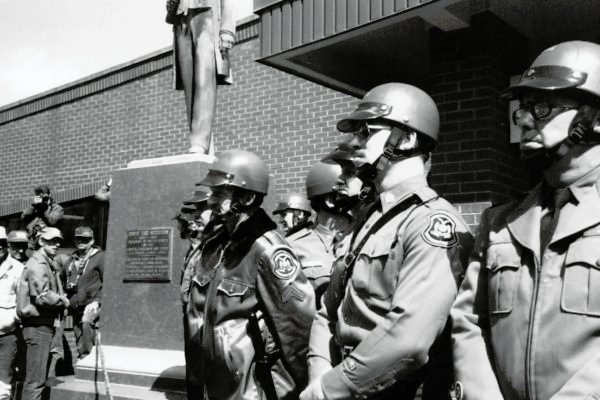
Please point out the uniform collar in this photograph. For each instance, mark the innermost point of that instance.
(6, 265)
(414, 185)
(325, 235)
(580, 213)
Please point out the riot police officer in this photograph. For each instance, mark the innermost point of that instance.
(316, 245)
(293, 212)
(389, 298)
(250, 303)
(526, 320)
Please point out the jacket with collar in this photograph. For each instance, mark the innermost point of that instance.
(10, 274)
(526, 323)
(88, 277)
(40, 296)
(392, 318)
(252, 270)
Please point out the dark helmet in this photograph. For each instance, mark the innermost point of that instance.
(293, 201)
(238, 168)
(404, 104)
(322, 179)
(567, 65)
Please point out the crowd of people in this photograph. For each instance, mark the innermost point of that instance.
(39, 289)
(385, 293)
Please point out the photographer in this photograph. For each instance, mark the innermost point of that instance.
(42, 211)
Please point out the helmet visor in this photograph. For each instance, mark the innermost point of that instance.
(546, 77)
(216, 178)
(364, 111)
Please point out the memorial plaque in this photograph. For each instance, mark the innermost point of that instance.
(149, 254)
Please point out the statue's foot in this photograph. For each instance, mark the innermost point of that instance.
(196, 149)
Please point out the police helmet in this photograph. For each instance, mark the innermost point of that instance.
(404, 104)
(293, 201)
(238, 168)
(568, 65)
(322, 179)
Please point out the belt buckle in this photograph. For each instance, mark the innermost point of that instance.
(346, 350)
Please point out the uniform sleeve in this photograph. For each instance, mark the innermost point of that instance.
(289, 302)
(186, 280)
(100, 279)
(228, 17)
(39, 288)
(470, 328)
(420, 306)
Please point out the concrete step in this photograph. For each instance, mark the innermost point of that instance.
(72, 388)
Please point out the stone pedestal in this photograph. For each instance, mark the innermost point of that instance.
(141, 323)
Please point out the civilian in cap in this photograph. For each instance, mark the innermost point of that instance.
(18, 245)
(293, 213)
(40, 304)
(10, 273)
(85, 272)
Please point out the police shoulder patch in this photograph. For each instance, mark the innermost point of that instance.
(285, 264)
(440, 230)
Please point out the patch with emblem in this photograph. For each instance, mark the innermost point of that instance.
(440, 231)
(285, 264)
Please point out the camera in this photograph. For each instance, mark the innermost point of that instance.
(71, 287)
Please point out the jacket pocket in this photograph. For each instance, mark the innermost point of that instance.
(232, 288)
(504, 265)
(234, 349)
(372, 274)
(581, 280)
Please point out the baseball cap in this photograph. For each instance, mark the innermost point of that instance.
(199, 197)
(17, 237)
(51, 233)
(84, 231)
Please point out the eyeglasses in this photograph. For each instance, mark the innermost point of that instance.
(540, 111)
(83, 239)
(368, 129)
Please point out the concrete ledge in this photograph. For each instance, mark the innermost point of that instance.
(168, 160)
(150, 368)
(75, 389)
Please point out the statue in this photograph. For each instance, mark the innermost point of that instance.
(204, 32)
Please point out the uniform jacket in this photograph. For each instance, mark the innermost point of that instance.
(88, 274)
(526, 324)
(254, 269)
(10, 274)
(191, 259)
(224, 19)
(314, 245)
(398, 297)
(39, 297)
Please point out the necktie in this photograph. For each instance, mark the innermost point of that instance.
(560, 197)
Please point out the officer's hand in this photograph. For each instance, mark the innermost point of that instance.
(91, 308)
(226, 41)
(314, 391)
(65, 301)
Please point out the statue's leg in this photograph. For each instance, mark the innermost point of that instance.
(204, 99)
(185, 62)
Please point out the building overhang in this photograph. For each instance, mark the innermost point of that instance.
(353, 45)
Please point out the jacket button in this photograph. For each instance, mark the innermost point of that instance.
(598, 262)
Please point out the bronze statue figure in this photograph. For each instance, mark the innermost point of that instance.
(204, 32)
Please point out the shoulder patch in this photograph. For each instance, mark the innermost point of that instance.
(440, 231)
(285, 264)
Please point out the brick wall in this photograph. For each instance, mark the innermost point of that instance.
(73, 137)
(469, 70)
